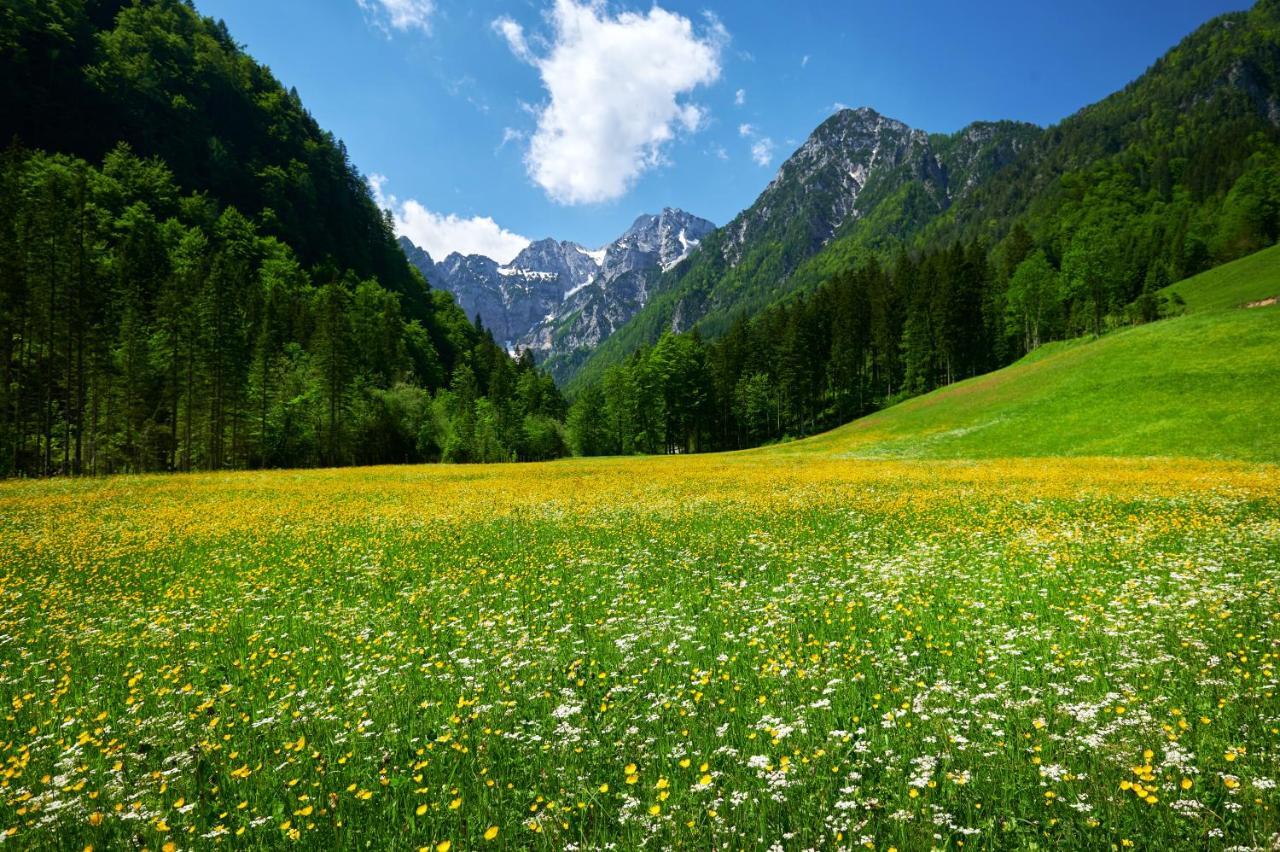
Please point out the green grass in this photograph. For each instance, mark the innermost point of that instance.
(1232, 285)
(1203, 385)
(717, 652)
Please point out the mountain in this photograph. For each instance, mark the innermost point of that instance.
(1176, 172)
(510, 300)
(506, 300)
(629, 266)
(857, 170)
(557, 297)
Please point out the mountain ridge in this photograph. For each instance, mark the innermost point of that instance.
(556, 290)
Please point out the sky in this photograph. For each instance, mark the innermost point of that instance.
(482, 124)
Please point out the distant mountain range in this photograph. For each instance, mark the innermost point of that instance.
(557, 297)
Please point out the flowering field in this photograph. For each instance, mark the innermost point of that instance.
(733, 652)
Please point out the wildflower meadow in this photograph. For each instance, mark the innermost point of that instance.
(725, 652)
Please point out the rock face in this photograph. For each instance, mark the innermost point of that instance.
(819, 186)
(629, 265)
(555, 290)
(858, 159)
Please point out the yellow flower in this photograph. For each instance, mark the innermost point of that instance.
(654, 810)
(491, 832)
(455, 804)
(444, 846)
(604, 788)
(630, 769)
(1186, 783)
(420, 810)
(705, 780)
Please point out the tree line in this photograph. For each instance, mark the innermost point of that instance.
(145, 329)
(866, 338)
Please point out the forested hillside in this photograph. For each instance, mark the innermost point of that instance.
(194, 275)
(864, 339)
(1176, 173)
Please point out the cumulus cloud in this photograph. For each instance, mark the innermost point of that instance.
(617, 90)
(761, 146)
(443, 234)
(402, 15)
(740, 97)
(762, 151)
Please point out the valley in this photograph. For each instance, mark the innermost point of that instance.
(929, 501)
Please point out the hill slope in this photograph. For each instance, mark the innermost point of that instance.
(82, 76)
(1200, 385)
(1251, 279)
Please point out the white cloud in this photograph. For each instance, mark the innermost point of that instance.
(761, 146)
(443, 234)
(762, 151)
(403, 15)
(804, 61)
(510, 134)
(514, 35)
(740, 97)
(616, 86)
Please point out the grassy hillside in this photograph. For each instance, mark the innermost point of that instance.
(1250, 279)
(1199, 385)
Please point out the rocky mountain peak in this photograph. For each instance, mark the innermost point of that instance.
(550, 279)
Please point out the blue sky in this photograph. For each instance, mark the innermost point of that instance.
(488, 122)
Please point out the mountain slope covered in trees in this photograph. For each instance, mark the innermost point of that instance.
(194, 275)
(1175, 173)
